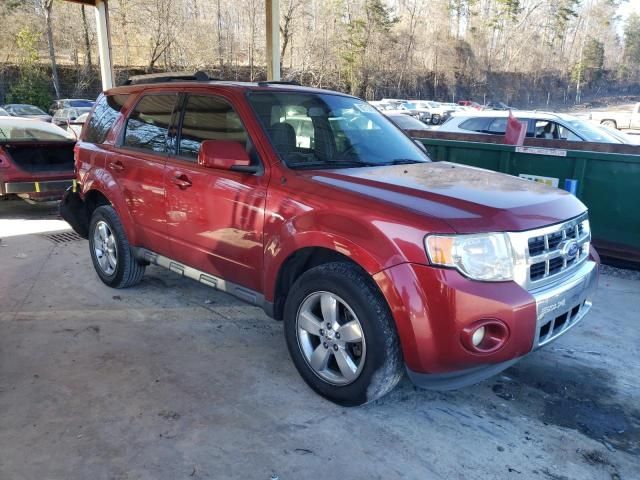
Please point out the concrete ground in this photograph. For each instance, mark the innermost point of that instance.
(173, 380)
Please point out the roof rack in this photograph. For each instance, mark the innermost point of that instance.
(278, 82)
(198, 76)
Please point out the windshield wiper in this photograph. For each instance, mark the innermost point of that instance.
(402, 161)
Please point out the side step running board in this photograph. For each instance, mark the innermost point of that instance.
(218, 283)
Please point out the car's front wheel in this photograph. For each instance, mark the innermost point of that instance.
(112, 256)
(435, 119)
(341, 335)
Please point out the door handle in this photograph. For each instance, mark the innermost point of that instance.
(116, 166)
(181, 181)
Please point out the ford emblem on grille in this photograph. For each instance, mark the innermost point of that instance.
(569, 249)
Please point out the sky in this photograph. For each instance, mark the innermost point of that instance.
(625, 10)
(629, 6)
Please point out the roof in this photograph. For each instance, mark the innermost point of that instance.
(516, 113)
(84, 2)
(247, 86)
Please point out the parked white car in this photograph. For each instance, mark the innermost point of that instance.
(438, 112)
(389, 106)
(558, 126)
(407, 122)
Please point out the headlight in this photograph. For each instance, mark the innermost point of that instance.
(484, 256)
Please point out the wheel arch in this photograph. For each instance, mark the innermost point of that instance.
(95, 194)
(297, 263)
(612, 120)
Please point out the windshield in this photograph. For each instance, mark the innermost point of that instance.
(407, 122)
(314, 130)
(591, 133)
(26, 110)
(18, 130)
(81, 103)
(3, 113)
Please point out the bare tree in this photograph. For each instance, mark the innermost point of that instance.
(163, 18)
(87, 41)
(47, 10)
(287, 23)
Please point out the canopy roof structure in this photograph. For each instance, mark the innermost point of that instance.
(272, 30)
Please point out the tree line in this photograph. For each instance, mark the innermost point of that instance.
(526, 52)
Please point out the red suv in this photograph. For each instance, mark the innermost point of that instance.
(314, 206)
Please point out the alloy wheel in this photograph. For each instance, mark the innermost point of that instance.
(330, 338)
(104, 247)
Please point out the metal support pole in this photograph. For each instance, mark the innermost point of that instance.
(104, 43)
(273, 39)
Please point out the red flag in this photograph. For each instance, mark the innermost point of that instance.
(515, 132)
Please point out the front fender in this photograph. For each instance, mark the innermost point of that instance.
(365, 243)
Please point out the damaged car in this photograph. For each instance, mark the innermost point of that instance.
(36, 159)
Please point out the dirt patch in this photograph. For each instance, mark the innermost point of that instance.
(578, 397)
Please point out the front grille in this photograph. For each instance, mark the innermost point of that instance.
(536, 246)
(554, 327)
(547, 253)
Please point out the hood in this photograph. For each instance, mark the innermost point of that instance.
(469, 199)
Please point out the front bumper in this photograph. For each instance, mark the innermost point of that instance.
(560, 307)
(432, 306)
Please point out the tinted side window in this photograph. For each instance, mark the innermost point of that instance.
(478, 124)
(208, 118)
(148, 123)
(103, 117)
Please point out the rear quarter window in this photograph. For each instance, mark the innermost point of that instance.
(104, 116)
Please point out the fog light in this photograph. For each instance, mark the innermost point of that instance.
(484, 336)
(478, 336)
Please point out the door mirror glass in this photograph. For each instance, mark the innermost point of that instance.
(223, 154)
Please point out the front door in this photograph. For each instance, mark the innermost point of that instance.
(214, 217)
(139, 164)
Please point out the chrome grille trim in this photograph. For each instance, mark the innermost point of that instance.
(523, 261)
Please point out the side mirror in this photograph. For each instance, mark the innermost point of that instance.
(225, 155)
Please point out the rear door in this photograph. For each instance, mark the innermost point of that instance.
(138, 165)
(214, 217)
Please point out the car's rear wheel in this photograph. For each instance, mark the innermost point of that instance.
(341, 335)
(610, 123)
(112, 256)
(435, 119)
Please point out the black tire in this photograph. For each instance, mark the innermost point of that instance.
(610, 123)
(127, 271)
(383, 365)
(435, 119)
